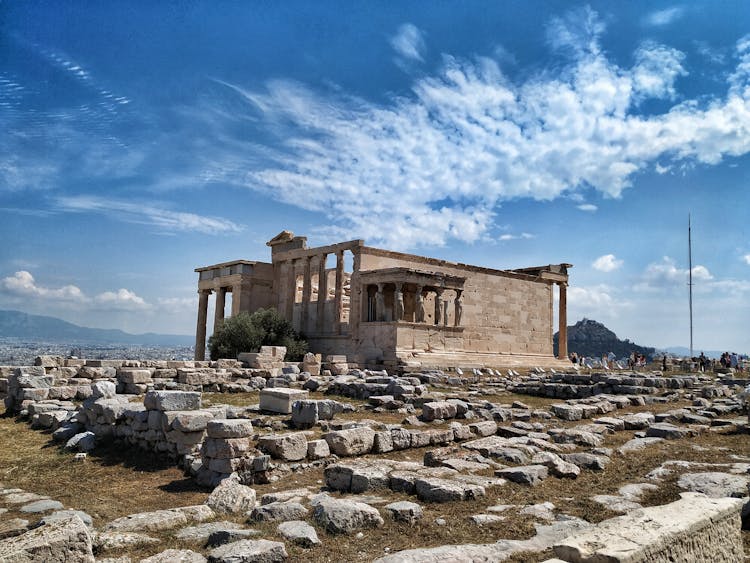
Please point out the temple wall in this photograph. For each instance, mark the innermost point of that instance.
(502, 313)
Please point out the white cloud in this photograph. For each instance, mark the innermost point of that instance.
(120, 299)
(666, 274)
(664, 17)
(164, 219)
(408, 42)
(22, 283)
(469, 139)
(607, 263)
(509, 236)
(595, 302)
(746, 259)
(590, 207)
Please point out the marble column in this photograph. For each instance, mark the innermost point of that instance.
(398, 303)
(562, 341)
(339, 295)
(291, 290)
(221, 294)
(200, 333)
(306, 293)
(322, 293)
(438, 306)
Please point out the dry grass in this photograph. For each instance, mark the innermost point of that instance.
(115, 482)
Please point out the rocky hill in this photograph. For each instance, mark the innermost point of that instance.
(592, 338)
(15, 324)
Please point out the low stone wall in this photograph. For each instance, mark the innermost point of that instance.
(579, 386)
(694, 528)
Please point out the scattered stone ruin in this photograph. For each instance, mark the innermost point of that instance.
(324, 415)
(385, 309)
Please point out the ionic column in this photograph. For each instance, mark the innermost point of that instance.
(322, 293)
(339, 295)
(562, 340)
(418, 305)
(221, 294)
(306, 293)
(291, 288)
(398, 303)
(200, 332)
(438, 306)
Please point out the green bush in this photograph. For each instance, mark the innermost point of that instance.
(248, 332)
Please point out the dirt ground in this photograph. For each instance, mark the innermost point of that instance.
(115, 481)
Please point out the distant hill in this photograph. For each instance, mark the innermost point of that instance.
(15, 324)
(591, 338)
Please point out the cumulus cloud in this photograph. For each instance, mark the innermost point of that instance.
(664, 17)
(468, 139)
(666, 274)
(746, 259)
(164, 219)
(22, 284)
(607, 263)
(595, 302)
(408, 42)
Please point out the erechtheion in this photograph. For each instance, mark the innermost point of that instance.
(383, 308)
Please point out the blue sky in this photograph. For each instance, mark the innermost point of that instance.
(139, 140)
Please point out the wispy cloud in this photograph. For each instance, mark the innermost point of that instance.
(607, 263)
(163, 219)
(509, 236)
(746, 259)
(408, 42)
(590, 207)
(667, 275)
(664, 17)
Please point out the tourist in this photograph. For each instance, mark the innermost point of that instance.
(664, 363)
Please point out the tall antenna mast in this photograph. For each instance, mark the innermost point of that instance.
(690, 283)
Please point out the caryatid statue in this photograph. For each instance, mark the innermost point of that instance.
(459, 308)
(399, 303)
(438, 306)
(419, 305)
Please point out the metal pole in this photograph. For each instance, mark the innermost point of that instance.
(690, 283)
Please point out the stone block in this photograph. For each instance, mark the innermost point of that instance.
(172, 400)
(288, 447)
(63, 540)
(225, 448)
(280, 400)
(354, 441)
(134, 375)
(229, 428)
(438, 410)
(317, 449)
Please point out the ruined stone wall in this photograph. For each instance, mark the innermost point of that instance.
(502, 313)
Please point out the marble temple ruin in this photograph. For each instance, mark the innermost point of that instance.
(383, 308)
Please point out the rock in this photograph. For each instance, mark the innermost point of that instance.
(484, 519)
(175, 556)
(484, 428)
(354, 441)
(225, 448)
(344, 516)
(64, 514)
(249, 551)
(83, 442)
(667, 431)
(638, 421)
(160, 519)
(299, 532)
(64, 541)
(202, 532)
(557, 466)
(543, 511)
(189, 421)
(288, 447)
(587, 461)
(230, 497)
(172, 400)
(13, 527)
(616, 503)
(637, 444)
(229, 428)
(567, 412)
(434, 489)
(103, 390)
(280, 399)
(526, 475)
(276, 511)
(715, 484)
(438, 410)
(111, 541)
(42, 506)
(317, 449)
(404, 511)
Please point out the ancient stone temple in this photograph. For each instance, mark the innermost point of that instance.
(385, 308)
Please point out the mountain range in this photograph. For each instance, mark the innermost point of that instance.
(38, 328)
